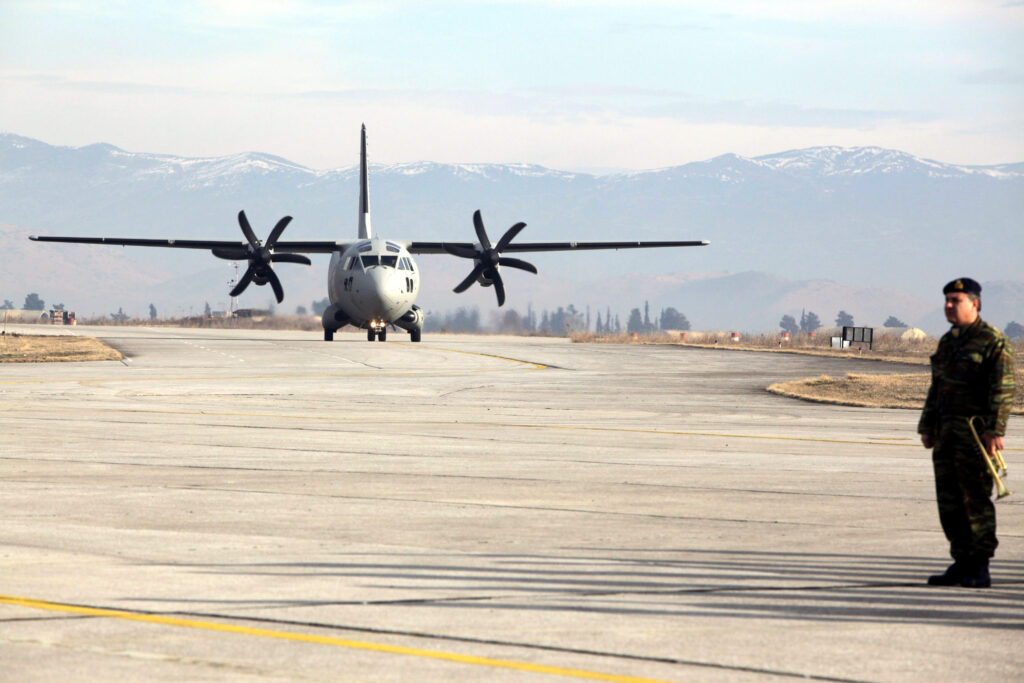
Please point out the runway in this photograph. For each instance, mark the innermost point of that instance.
(262, 505)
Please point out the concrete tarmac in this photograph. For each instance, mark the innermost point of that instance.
(261, 505)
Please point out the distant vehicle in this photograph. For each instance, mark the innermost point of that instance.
(372, 282)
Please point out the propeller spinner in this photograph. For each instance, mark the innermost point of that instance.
(261, 257)
(488, 258)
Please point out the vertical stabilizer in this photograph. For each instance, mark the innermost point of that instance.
(364, 191)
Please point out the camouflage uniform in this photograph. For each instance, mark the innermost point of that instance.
(972, 374)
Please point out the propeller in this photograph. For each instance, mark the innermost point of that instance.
(261, 257)
(488, 258)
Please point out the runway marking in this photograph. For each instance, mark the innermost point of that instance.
(537, 366)
(515, 425)
(247, 378)
(322, 640)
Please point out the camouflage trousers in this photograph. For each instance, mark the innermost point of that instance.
(963, 490)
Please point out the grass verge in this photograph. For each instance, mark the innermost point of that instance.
(26, 348)
(873, 391)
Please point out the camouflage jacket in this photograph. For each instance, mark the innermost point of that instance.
(972, 374)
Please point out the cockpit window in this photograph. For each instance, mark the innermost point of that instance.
(391, 246)
(370, 260)
(388, 260)
(402, 264)
(353, 263)
(365, 246)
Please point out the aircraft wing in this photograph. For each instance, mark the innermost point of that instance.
(288, 247)
(327, 247)
(447, 247)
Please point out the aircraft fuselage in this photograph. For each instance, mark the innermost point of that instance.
(374, 282)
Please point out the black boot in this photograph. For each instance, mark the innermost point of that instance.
(953, 577)
(976, 575)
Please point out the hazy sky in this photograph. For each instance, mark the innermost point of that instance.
(566, 84)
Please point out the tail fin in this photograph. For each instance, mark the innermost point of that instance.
(364, 191)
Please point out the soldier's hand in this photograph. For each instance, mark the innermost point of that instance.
(992, 443)
(927, 440)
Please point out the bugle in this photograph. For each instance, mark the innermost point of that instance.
(994, 460)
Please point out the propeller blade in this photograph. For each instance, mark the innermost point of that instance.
(470, 279)
(509, 236)
(275, 283)
(276, 232)
(243, 222)
(260, 257)
(231, 254)
(250, 273)
(291, 258)
(481, 234)
(499, 286)
(517, 263)
(460, 251)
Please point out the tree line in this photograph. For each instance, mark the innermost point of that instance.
(563, 321)
(809, 322)
(33, 302)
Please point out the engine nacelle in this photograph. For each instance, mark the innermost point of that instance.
(412, 320)
(334, 318)
(485, 281)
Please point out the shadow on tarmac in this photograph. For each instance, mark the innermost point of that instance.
(678, 583)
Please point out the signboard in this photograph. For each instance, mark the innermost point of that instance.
(858, 335)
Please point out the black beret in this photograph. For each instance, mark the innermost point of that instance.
(965, 285)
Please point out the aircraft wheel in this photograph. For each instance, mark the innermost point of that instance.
(370, 336)
(328, 335)
(383, 334)
(414, 335)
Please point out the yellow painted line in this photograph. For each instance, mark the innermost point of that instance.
(321, 640)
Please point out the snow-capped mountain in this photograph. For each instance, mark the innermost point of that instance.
(860, 161)
(862, 217)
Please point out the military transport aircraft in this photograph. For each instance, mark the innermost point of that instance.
(372, 282)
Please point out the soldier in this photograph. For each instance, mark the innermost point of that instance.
(972, 375)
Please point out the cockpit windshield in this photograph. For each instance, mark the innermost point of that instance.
(379, 260)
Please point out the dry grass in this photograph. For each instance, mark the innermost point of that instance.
(21, 348)
(307, 323)
(885, 348)
(874, 391)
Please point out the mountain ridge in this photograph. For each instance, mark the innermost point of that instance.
(825, 160)
(867, 219)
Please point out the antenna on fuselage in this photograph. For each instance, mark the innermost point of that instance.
(364, 191)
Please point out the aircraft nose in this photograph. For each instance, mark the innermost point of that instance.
(382, 291)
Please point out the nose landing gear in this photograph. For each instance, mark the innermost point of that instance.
(376, 330)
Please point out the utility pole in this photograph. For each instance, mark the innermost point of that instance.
(233, 303)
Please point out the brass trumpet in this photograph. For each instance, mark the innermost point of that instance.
(995, 461)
